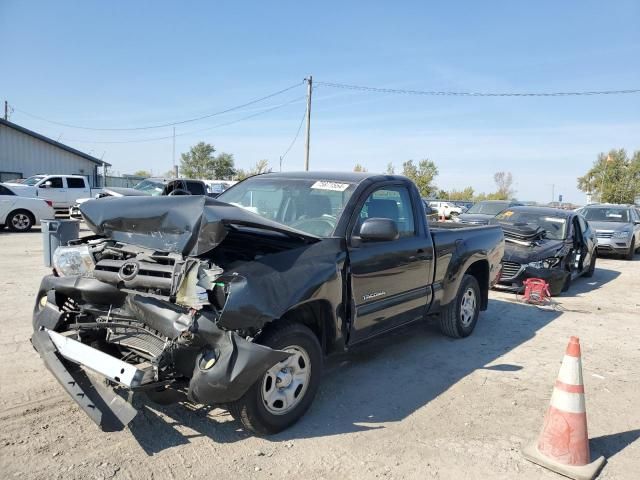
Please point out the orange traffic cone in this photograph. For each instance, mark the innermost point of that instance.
(563, 445)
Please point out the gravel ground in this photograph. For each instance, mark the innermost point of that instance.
(413, 405)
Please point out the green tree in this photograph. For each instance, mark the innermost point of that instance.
(261, 166)
(142, 173)
(198, 162)
(464, 194)
(613, 178)
(391, 169)
(359, 168)
(504, 182)
(223, 167)
(442, 195)
(422, 175)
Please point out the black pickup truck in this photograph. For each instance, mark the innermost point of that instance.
(236, 301)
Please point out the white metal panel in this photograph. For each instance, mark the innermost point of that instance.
(23, 153)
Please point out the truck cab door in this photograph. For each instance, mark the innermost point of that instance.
(54, 189)
(77, 188)
(389, 280)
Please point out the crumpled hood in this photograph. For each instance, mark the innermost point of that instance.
(521, 254)
(190, 225)
(610, 226)
(475, 217)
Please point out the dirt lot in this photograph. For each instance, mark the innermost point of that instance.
(415, 405)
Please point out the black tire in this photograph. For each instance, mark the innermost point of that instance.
(632, 250)
(451, 320)
(250, 409)
(20, 221)
(592, 266)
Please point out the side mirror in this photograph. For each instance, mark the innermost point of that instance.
(378, 230)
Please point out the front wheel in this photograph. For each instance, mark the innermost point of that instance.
(632, 249)
(284, 393)
(459, 317)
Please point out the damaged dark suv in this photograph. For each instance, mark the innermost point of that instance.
(236, 301)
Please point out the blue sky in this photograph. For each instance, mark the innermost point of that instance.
(126, 64)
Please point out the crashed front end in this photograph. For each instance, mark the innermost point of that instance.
(528, 254)
(119, 318)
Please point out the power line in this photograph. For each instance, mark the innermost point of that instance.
(475, 94)
(277, 107)
(169, 124)
(304, 115)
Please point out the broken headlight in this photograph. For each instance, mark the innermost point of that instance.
(546, 263)
(69, 261)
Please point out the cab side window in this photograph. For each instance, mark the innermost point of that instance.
(75, 182)
(56, 182)
(394, 203)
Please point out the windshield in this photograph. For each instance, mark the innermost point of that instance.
(620, 215)
(555, 227)
(150, 187)
(488, 208)
(312, 206)
(33, 180)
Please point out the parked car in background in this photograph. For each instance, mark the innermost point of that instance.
(216, 187)
(432, 214)
(62, 190)
(617, 227)
(445, 209)
(236, 301)
(549, 243)
(483, 212)
(19, 214)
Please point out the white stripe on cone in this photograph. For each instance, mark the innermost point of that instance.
(568, 402)
(571, 371)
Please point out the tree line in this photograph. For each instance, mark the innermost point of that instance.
(613, 178)
(424, 172)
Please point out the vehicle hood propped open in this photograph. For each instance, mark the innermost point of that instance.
(190, 225)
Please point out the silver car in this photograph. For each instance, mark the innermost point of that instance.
(617, 227)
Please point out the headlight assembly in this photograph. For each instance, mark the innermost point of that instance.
(69, 261)
(546, 263)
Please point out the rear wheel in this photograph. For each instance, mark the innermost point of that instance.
(284, 393)
(20, 221)
(459, 317)
(632, 249)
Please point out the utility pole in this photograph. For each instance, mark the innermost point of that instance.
(6, 110)
(280, 162)
(308, 136)
(553, 192)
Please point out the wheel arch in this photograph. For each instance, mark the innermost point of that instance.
(319, 317)
(480, 271)
(22, 210)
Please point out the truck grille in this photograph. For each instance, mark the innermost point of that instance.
(604, 234)
(510, 270)
(148, 272)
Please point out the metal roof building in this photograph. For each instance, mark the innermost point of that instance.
(24, 153)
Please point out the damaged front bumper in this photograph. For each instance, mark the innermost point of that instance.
(555, 277)
(100, 342)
